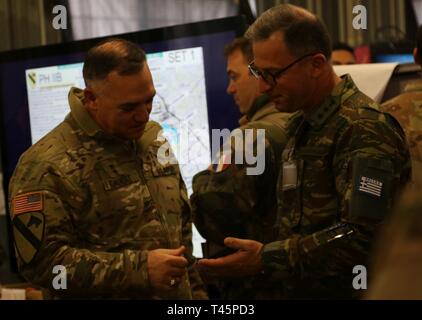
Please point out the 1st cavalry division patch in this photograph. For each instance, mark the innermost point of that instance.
(28, 224)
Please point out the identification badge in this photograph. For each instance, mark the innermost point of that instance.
(289, 175)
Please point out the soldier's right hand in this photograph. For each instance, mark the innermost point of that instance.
(166, 267)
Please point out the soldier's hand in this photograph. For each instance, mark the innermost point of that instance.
(166, 267)
(246, 261)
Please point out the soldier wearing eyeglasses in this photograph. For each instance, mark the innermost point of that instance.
(341, 169)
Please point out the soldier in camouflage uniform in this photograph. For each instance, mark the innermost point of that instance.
(396, 270)
(228, 201)
(341, 169)
(407, 108)
(92, 196)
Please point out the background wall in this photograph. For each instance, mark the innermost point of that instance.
(387, 19)
(103, 17)
(27, 23)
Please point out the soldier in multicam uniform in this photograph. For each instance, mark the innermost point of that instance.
(396, 270)
(340, 172)
(92, 196)
(397, 266)
(407, 108)
(228, 201)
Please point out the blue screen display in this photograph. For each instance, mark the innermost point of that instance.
(400, 58)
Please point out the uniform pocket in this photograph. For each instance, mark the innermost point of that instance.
(317, 186)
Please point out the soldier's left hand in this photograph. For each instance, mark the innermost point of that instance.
(245, 261)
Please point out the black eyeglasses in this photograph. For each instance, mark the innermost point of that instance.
(271, 77)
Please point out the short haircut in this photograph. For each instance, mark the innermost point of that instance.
(343, 46)
(303, 32)
(112, 54)
(242, 44)
(419, 42)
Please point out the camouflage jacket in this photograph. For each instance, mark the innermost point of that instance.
(96, 204)
(407, 109)
(341, 170)
(229, 202)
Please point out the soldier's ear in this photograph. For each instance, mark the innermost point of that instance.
(318, 64)
(90, 100)
(416, 56)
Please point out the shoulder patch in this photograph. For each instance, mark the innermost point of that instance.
(28, 233)
(370, 186)
(27, 202)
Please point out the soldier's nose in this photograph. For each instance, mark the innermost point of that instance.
(141, 116)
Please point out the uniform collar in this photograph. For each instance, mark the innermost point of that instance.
(80, 113)
(341, 92)
(257, 111)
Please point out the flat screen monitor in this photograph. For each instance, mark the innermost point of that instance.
(189, 73)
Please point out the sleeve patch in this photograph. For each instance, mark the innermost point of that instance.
(370, 186)
(27, 202)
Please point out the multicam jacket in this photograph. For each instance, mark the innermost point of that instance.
(229, 202)
(407, 109)
(96, 204)
(398, 256)
(341, 170)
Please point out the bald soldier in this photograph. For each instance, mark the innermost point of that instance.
(228, 201)
(92, 197)
(407, 109)
(342, 167)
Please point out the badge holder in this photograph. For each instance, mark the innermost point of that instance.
(289, 175)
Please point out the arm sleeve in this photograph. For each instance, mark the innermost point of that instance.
(227, 201)
(196, 284)
(367, 152)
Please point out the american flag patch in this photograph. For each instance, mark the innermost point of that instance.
(28, 202)
(370, 186)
